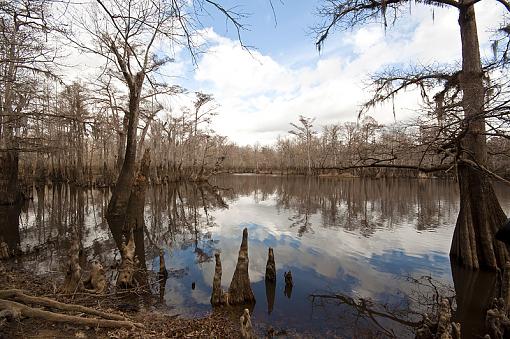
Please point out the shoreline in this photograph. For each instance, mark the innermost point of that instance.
(157, 322)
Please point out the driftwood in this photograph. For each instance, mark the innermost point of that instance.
(18, 309)
(217, 292)
(246, 327)
(72, 281)
(96, 283)
(364, 308)
(128, 265)
(240, 291)
(270, 266)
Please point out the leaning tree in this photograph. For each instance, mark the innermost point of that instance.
(136, 39)
(465, 106)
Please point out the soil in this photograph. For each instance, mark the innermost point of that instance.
(136, 306)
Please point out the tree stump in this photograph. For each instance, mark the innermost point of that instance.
(217, 292)
(72, 281)
(96, 283)
(240, 289)
(270, 266)
(128, 266)
(288, 279)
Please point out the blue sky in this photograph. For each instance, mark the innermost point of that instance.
(284, 76)
(289, 35)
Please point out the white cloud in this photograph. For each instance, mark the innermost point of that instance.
(259, 96)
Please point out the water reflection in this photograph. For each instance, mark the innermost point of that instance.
(270, 295)
(10, 240)
(361, 238)
(474, 293)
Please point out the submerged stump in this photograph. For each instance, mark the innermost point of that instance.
(217, 292)
(270, 266)
(288, 284)
(240, 291)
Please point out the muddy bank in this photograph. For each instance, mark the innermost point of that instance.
(136, 307)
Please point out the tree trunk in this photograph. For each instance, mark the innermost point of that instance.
(131, 227)
(9, 187)
(10, 240)
(9, 156)
(117, 207)
(480, 215)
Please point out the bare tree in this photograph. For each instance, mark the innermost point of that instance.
(305, 133)
(462, 110)
(24, 56)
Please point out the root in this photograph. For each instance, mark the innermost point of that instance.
(128, 265)
(96, 283)
(28, 299)
(72, 281)
(15, 307)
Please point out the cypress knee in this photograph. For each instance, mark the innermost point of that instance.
(270, 266)
(240, 290)
(216, 296)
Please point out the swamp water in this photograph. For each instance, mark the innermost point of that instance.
(376, 249)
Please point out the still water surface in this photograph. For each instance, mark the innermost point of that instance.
(355, 238)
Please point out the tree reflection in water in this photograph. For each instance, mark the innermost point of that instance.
(330, 232)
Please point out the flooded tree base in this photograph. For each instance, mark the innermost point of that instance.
(156, 324)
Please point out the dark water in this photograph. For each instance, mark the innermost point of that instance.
(380, 246)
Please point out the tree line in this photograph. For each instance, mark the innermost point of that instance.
(49, 128)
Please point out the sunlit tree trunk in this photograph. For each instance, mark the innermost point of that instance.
(480, 215)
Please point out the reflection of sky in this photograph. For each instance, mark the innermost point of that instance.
(323, 259)
(369, 258)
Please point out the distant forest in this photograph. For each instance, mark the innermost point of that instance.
(77, 134)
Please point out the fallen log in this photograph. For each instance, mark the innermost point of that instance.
(30, 312)
(47, 302)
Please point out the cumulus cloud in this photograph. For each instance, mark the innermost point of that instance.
(260, 95)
